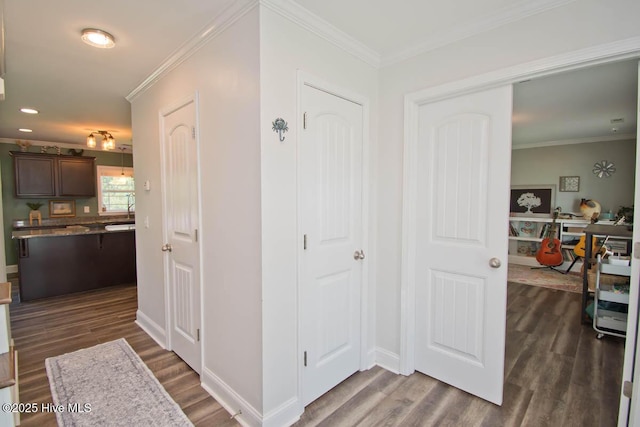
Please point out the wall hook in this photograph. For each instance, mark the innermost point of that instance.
(280, 126)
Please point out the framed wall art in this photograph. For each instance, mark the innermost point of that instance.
(62, 208)
(569, 183)
(533, 200)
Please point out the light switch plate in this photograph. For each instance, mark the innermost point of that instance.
(87, 209)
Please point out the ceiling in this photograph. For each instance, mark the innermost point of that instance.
(79, 89)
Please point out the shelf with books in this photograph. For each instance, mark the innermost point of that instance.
(523, 245)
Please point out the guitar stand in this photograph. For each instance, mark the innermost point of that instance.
(572, 264)
(551, 267)
(555, 269)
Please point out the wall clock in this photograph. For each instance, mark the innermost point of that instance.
(604, 169)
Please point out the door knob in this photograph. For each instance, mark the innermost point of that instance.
(166, 247)
(495, 263)
(358, 255)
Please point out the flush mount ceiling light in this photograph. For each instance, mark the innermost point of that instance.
(25, 130)
(108, 142)
(98, 38)
(29, 110)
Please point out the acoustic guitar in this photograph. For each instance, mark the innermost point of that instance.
(579, 248)
(549, 253)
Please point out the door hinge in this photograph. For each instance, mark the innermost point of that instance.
(636, 250)
(305, 358)
(193, 132)
(627, 388)
(198, 334)
(304, 242)
(304, 120)
(196, 234)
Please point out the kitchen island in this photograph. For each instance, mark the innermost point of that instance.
(60, 261)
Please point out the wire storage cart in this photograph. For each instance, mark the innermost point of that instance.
(611, 298)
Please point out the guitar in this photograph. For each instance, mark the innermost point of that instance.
(549, 253)
(579, 248)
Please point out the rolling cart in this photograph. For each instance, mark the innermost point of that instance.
(611, 297)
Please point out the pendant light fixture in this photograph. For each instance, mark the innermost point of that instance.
(122, 179)
(108, 142)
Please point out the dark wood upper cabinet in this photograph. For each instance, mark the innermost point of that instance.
(76, 177)
(49, 176)
(34, 176)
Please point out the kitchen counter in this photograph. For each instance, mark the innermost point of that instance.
(63, 260)
(71, 230)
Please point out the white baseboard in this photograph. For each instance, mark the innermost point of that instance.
(284, 415)
(230, 400)
(152, 329)
(388, 360)
(370, 359)
(12, 268)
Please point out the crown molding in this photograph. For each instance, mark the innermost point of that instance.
(221, 22)
(593, 55)
(323, 29)
(608, 138)
(506, 15)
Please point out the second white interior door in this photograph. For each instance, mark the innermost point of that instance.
(330, 192)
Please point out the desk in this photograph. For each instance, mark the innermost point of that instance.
(599, 230)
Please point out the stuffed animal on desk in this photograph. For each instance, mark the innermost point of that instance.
(590, 209)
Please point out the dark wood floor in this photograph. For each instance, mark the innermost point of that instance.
(557, 373)
(55, 326)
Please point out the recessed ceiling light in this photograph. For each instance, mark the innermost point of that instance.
(29, 110)
(98, 38)
(25, 130)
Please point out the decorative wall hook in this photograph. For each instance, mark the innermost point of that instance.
(280, 126)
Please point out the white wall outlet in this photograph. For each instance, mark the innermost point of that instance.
(87, 209)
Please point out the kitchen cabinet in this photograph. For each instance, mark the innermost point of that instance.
(50, 176)
(54, 265)
(76, 176)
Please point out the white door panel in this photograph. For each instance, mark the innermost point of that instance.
(629, 410)
(331, 219)
(181, 224)
(463, 179)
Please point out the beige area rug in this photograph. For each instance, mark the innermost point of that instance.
(545, 278)
(109, 385)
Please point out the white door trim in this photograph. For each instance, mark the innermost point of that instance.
(366, 354)
(625, 49)
(192, 98)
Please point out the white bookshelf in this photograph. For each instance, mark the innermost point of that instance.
(524, 246)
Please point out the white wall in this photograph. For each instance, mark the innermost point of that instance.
(545, 165)
(225, 73)
(577, 25)
(286, 48)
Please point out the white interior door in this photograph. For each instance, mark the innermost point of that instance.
(330, 192)
(181, 227)
(463, 175)
(631, 354)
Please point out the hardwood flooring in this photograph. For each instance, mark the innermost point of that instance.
(556, 372)
(59, 325)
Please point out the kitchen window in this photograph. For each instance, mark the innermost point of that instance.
(116, 191)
